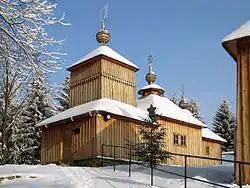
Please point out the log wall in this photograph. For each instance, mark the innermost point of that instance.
(193, 143)
(116, 131)
(214, 152)
(102, 78)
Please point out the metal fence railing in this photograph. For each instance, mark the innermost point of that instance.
(129, 159)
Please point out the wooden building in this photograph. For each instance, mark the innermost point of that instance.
(237, 44)
(104, 110)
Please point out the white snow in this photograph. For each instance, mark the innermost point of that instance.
(230, 42)
(104, 104)
(107, 51)
(242, 31)
(151, 86)
(167, 108)
(86, 177)
(207, 133)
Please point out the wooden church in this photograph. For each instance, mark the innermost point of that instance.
(104, 110)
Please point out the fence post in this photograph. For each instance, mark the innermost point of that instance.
(129, 167)
(240, 179)
(185, 171)
(114, 157)
(152, 173)
(102, 157)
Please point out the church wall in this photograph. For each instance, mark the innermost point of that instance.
(118, 82)
(69, 141)
(85, 83)
(211, 149)
(193, 144)
(117, 131)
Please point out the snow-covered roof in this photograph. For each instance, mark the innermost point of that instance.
(229, 42)
(154, 86)
(167, 108)
(107, 51)
(207, 133)
(104, 104)
(151, 86)
(242, 31)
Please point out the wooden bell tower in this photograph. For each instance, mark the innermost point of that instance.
(103, 73)
(237, 45)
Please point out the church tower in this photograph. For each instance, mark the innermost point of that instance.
(103, 73)
(150, 77)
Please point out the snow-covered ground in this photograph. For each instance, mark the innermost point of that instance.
(52, 176)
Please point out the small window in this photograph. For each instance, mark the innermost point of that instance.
(176, 139)
(183, 140)
(207, 150)
(76, 131)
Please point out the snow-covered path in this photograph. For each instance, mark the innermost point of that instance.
(53, 176)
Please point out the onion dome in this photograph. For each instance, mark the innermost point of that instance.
(183, 103)
(150, 77)
(103, 36)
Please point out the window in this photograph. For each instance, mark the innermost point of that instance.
(176, 139)
(207, 150)
(183, 140)
(76, 131)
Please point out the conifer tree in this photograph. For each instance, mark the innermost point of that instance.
(62, 96)
(151, 148)
(25, 137)
(224, 124)
(194, 107)
(174, 99)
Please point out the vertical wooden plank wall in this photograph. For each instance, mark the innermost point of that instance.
(117, 132)
(102, 78)
(51, 144)
(85, 83)
(214, 152)
(118, 82)
(84, 144)
(193, 143)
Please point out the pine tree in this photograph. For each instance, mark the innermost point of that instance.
(25, 137)
(224, 124)
(194, 107)
(151, 148)
(174, 99)
(63, 95)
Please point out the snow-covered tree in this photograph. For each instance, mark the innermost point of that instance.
(25, 137)
(25, 23)
(62, 96)
(224, 124)
(174, 99)
(24, 37)
(151, 148)
(194, 107)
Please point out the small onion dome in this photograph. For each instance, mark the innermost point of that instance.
(103, 36)
(151, 89)
(183, 103)
(150, 77)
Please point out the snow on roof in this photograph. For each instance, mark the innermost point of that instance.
(242, 31)
(229, 42)
(167, 108)
(104, 104)
(155, 86)
(207, 133)
(107, 51)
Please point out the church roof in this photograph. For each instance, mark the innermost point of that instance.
(229, 42)
(167, 108)
(104, 104)
(207, 133)
(150, 86)
(106, 51)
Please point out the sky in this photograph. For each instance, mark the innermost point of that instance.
(184, 37)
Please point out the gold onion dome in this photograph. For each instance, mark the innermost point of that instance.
(103, 36)
(183, 103)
